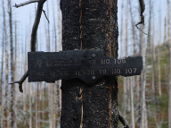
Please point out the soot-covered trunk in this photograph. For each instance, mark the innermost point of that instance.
(90, 24)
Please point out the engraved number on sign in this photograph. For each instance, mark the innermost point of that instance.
(114, 61)
(130, 70)
(116, 71)
(105, 61)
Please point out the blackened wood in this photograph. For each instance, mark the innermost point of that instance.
(36, 24)
(71, 103)
(91, 24)
(87, 65)
(100, 29)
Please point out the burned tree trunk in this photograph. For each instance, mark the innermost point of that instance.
(90, 25)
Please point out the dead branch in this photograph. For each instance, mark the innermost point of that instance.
(20, 82)
(142, 9)
(33, 35)
(25, 3)
(142, 31)
(123, 121)
(44, 12)
(36, 24)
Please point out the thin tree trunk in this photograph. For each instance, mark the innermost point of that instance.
(165, 29)
(37, 105)
(2, 66)
(132, 85)
(159, 72)
(169, 107)
(153, 71)
(123, 54)
(50, 104)
(4, 36)
(12, 120)
(122, 28)
(169, 43)
(30, 107)
(48, 42)
(4, 117)
(158, 54)
(1, 81)
(126, 80)
(143, 121)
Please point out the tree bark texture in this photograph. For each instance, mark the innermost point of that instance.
(90, 25)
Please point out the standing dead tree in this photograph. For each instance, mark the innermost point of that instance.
(12, 115)
(4, 65)
(90, 25)
(33, 34)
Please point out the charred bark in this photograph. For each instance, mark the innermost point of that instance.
(90, 25)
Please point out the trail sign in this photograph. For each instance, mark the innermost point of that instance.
(86, 65)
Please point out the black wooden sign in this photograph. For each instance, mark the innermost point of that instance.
(86, 65)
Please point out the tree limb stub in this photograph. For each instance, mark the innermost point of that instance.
(20, 82)
(123, 121)
(44, 12)
(33, 34)
(25, 3)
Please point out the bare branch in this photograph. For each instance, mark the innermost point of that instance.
(25, 3)
(33, 34)
(123, 121)
(20, 82)
(44, 12)
(142, 9)
(141, 30)
(36, 24)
